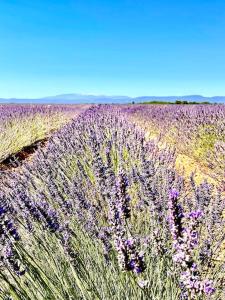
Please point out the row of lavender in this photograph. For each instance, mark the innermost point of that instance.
(8, 112)
(101, 214)
(22, 125)
(196, 130)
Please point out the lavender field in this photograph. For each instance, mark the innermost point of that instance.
(118, 202)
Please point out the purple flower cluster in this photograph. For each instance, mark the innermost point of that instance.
(187, 127)
(9, 236)
(129, 257)
(184, 232)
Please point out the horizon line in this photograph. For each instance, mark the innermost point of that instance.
(106, 95)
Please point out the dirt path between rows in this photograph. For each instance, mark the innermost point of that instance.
(15, 160)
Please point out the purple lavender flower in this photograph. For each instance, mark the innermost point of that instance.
(129, 258)
(123, 200)
(185, 240)
(208, 287)
(195, 214)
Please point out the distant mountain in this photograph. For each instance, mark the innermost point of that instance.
(78, 98)
(102, 99)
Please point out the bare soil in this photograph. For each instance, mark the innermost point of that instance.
(15, 160)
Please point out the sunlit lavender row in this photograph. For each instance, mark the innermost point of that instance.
(102, 213)
(196, 131)
(21, 125)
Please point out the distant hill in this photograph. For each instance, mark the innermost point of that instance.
(102, 99)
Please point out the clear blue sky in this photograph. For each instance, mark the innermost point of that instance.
(127, 47)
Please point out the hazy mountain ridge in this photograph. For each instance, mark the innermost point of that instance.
(103, 99)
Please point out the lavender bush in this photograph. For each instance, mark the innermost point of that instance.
(22, 125)
(196, 131)
(101, 213)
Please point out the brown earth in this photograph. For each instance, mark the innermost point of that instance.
(15, 160)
